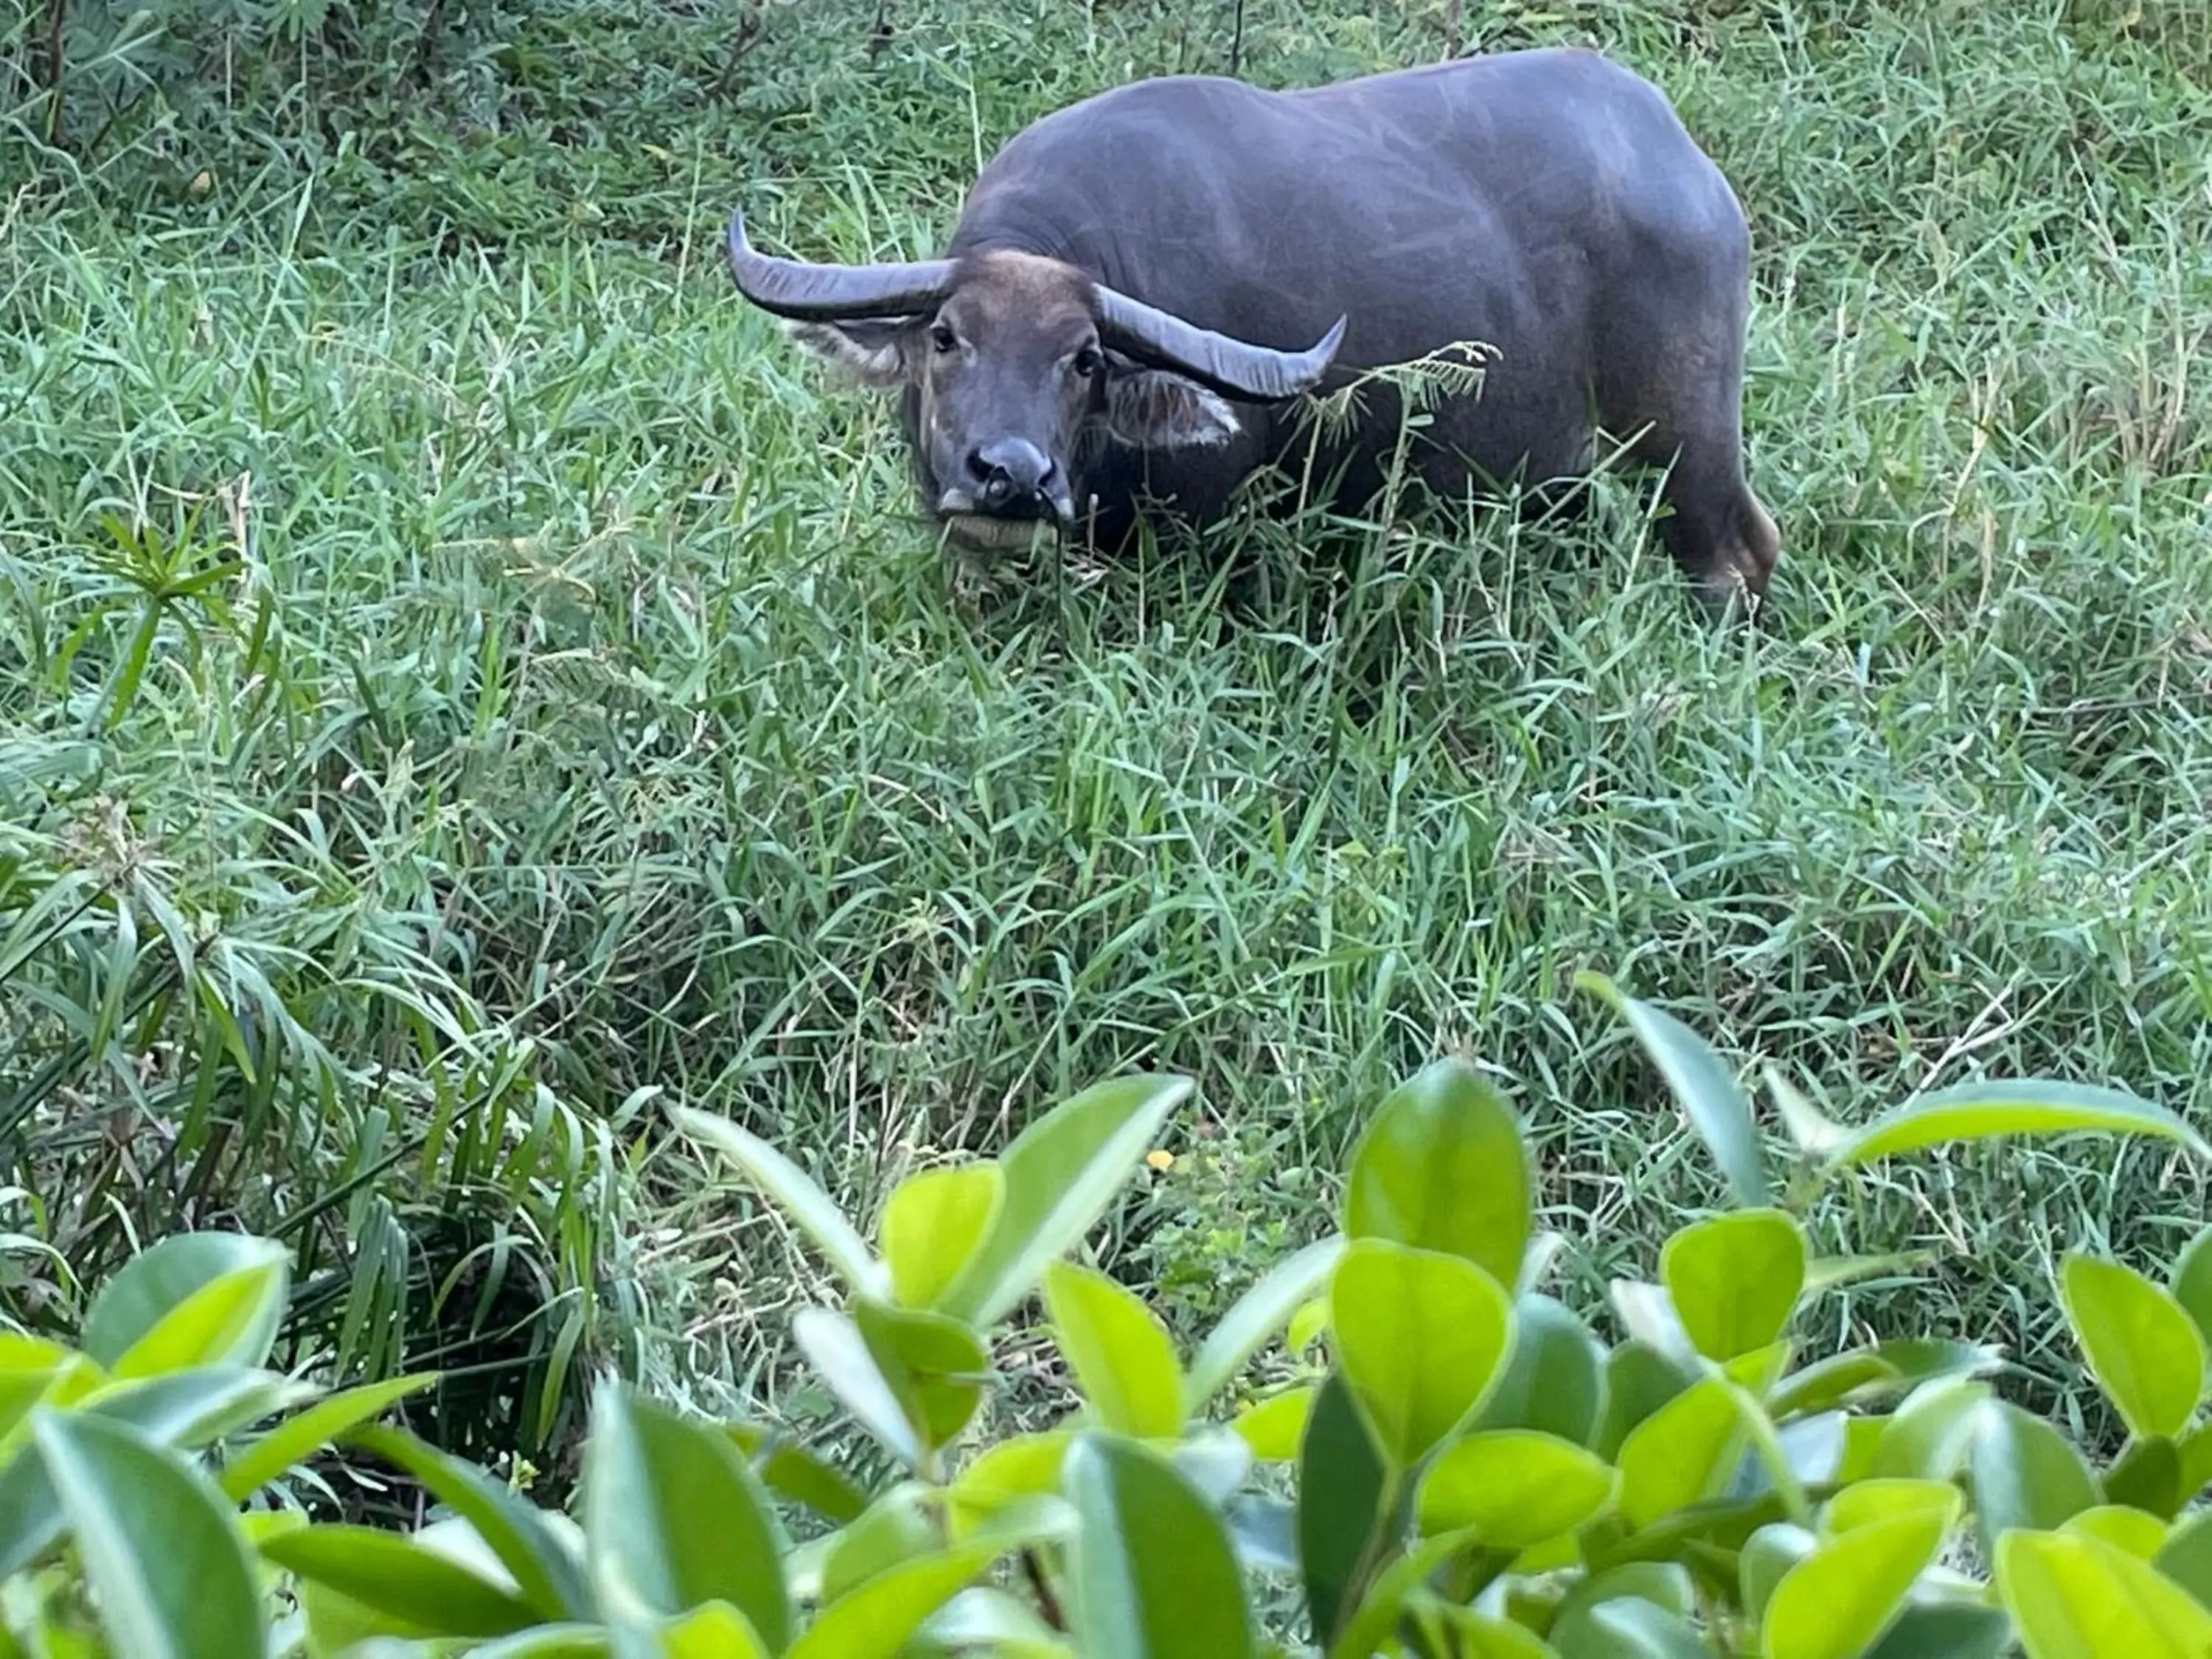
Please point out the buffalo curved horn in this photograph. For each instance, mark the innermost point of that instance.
(1234, 368)
(806, 292)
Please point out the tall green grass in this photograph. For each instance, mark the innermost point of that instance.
(463, 676)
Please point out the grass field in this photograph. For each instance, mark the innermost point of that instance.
(463, 674)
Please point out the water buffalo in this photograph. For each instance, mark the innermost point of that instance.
(1144, 285)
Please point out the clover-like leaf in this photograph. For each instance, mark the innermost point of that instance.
(1442, 1166)
(1734, 1279)
(2143, 1348)
(1420, 1336)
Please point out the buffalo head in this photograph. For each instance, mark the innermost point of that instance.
(1011, 363)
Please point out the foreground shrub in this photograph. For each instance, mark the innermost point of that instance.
(1464, 1469)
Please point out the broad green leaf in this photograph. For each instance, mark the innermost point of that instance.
(2025, 1473)
(1682, 1453)
(936, 1366)
(1002, 1476)
(186, 1409)
(159, 1546)
(2027, 1106)
(2185, 1557)
(983, 1620)
(1861, 1375)
(2141, 1536)
(1638, 1381)
(298, 1437)
(2147, 1476)
(1152, 1575)
(2145, 1352)
(933, 1222)
(795, 1193)
(1931, 1434)
(562, 1641)
(1060, 1173)
(1701, 1084)
(1816, 1133)
(1633, 1629)
(1122, 1356)
(1647, 1314)
(798, 1474)
(1554, 1379)
(152, 1300)
(1274, 1427)
(1836, 1603)
(1466, 1634)
(1256, 1316)
(1441, 1167)
(712, 1630)
(1665, 1586)
(1767, 1555)
(1367, 1631)
(521, 1537)
(1734, 1279)
(840, 1356)
(2191, 1283)
(876, 1620)
(1883, 1499)
(1344, 1492)
(1420, 1336)
(674, 1515)
(1514, 1488)
(1955, 1631)
(898, 1527)
(391, 1573)
(2080, 1598)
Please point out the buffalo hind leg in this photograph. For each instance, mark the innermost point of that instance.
(1721, 538)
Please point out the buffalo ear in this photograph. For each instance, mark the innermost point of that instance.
(1150, 409)
(871, 352)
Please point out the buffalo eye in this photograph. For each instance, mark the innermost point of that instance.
(1088, 363)
(942, 338)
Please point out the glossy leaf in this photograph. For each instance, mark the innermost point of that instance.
(933, 1222)
(1343, 1489)
(1638, 1381)
(1700, 1084)
(1003, 1476)
(935, 1365)
(2146, 1352)
(392, 1573)
(1122, 1356)
(1682, 1453)
(2185, 1557)
(797, 1473)
(2027, 1106)
(1152, 1573)
(2080, 1598)
(154, 1304)
(2147, 1476)
(1466, 1634)
(1513, 1488)
(2191, 1282)
(1941, 1630)
(1931, 1434)
(1858, 1375)
(899, 1526)
(1368, 1628)
(1664, 1585)
(2025, 1473)
(1060, 1173)
(714, 1630)
(2141, 1536)
(1420, 1336)
(1274, 1427)
(673, 1516)
(795, 1193)
(185, 1409)
(1255, 1317)
(839, 1355)
(875, 1620)
(521, 1537)
(1863, 1502)
(298, 1437)
(1734, 1279)
(1441, 1167)
(985, 1621)
(1836, 1602)
(1767, 1555)
(1554, 1379)
(159, 1546)
(1633, 1629)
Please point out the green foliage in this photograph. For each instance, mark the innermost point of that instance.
(1467, 1468)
